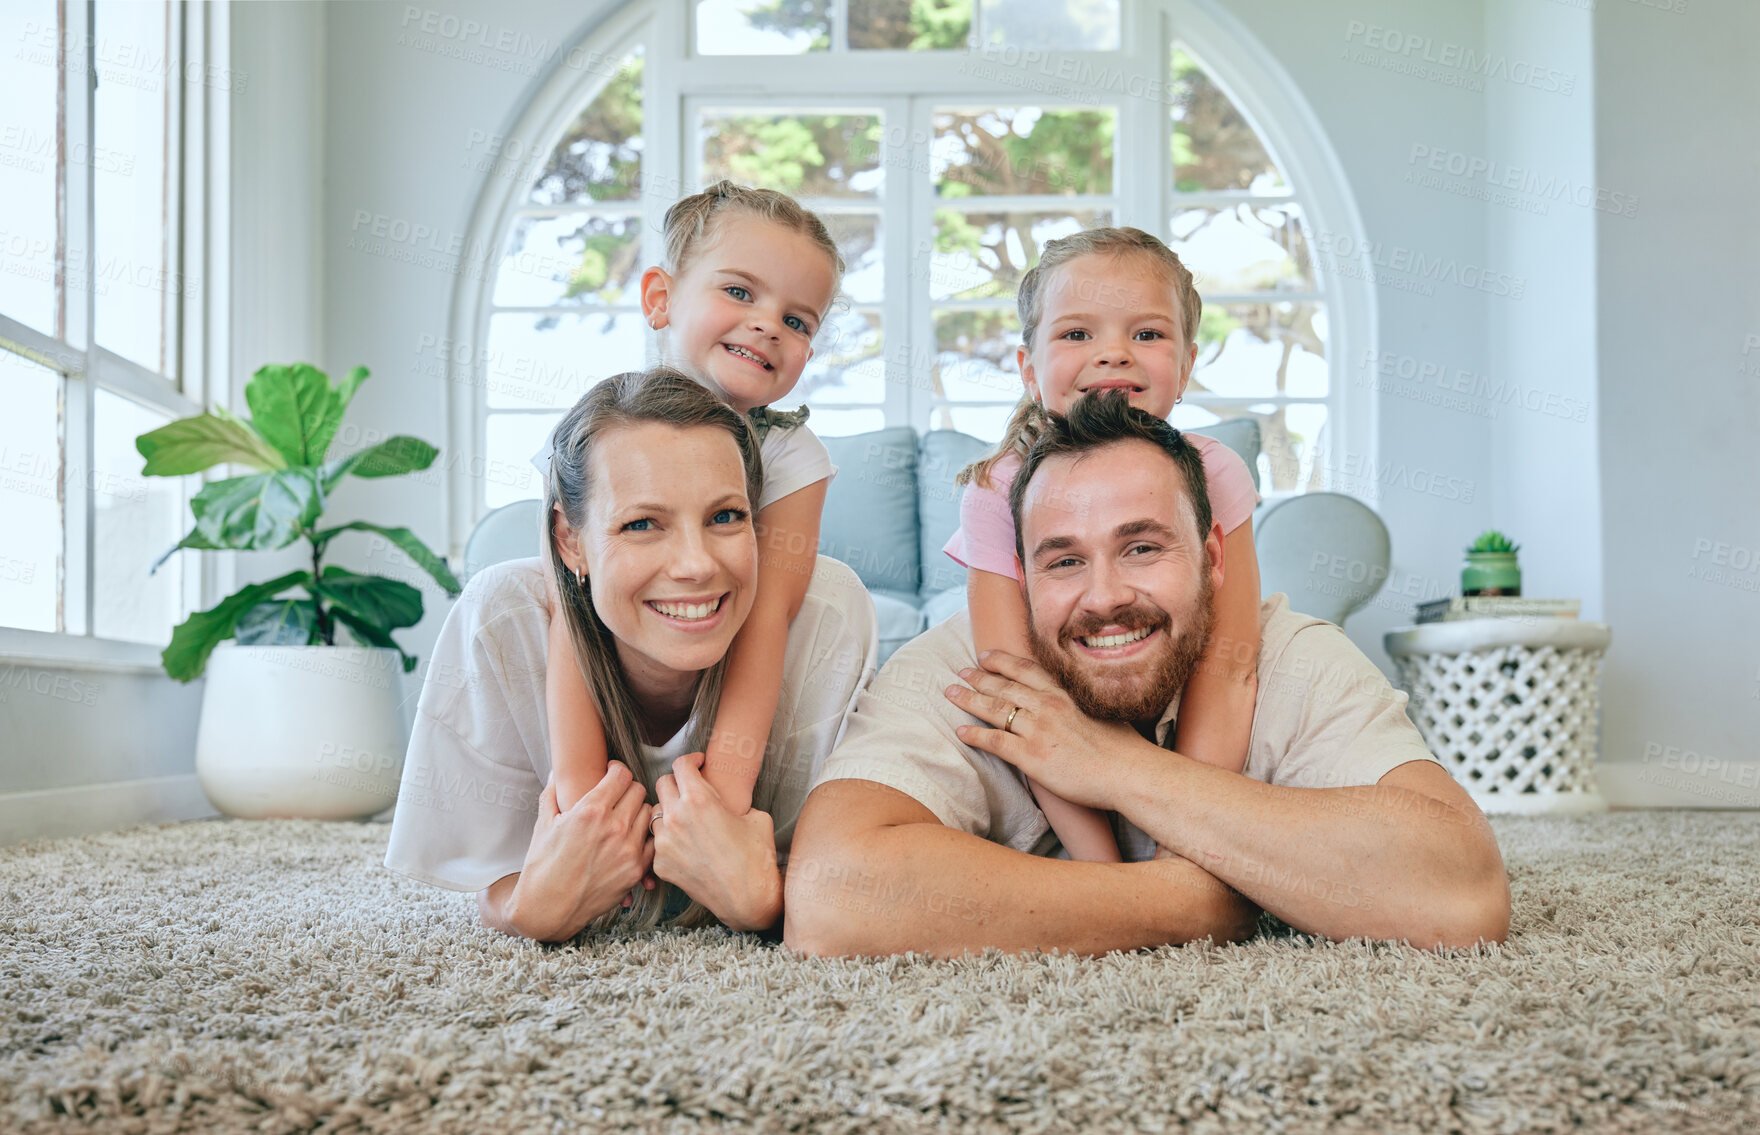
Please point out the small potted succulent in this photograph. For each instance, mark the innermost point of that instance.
(1491, 567)
(294, 721)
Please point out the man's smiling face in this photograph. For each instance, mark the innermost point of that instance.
(1119, 584)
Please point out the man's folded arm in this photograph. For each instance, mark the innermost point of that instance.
(874, 872)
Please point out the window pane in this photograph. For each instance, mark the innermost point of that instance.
(858, 239)
(984, 255)
(801, 154)
(975, 356)
(572, 259)
(1214, 147)
(847, 364)
(537, 361)
(600, 156)
(1249, 350)
(985, 423)
(843, 423)
(137, 518)
(1292, 442)
(1059, 25)
(1015, 151)
(508, 473)
(909, 25)
(1245, 248)
(763, 27)
(30, 493)
(135, 273)
(30, 150)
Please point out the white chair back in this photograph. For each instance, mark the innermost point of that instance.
(1328, 552)
(511, 532)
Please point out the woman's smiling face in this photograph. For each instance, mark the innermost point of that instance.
(671, 552)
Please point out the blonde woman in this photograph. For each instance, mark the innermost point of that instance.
(652, 488)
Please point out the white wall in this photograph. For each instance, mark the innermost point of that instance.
(1679, 298)
(1541, 378)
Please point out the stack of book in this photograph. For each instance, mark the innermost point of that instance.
(1496, 607)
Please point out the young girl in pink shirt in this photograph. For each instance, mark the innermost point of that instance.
(1106, 309)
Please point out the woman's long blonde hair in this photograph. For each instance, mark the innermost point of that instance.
(661, 395)
(1028, 420)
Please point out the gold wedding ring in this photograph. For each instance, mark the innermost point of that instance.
(1010, 720)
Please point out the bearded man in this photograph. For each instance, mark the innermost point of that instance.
(922, 834)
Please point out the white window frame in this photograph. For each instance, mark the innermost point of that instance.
(197, 329)
(904, 86)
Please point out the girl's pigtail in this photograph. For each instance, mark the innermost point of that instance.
(1024, 427)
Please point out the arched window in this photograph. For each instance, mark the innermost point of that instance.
(943, 141)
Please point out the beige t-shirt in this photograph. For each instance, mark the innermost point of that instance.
(479, 753)
(1325, 718)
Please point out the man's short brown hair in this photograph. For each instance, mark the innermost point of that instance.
(1102, 419)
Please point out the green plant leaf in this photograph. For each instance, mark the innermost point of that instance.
(390, 458)
(289, 407)
(194, 639)
(385, 603)
(346, 388)
(194, 540)
(279, 622)
(406, 540)
(260, 512)
(340, 397)
(1491, 540)
(190, 445)
(368, 635)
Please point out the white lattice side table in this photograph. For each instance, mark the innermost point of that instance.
(1511, 707)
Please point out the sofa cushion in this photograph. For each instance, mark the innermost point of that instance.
(870, 520)
(900, 620)
(1240, 435)
(944, 606)
(944, 453)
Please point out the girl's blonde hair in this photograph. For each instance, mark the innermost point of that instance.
(1028, 420)
(695, 220)
(659, 395)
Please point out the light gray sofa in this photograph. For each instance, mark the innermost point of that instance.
(894, 504)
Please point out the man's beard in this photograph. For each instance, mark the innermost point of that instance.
(1160, 678)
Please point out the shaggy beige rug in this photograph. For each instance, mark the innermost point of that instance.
(273, 977)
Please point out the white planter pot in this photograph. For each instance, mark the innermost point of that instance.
(311, 732)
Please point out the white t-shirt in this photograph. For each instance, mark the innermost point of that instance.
(1324, 717)
(479, 753)
(792, 458)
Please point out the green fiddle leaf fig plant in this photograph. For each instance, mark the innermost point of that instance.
(295, 412)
